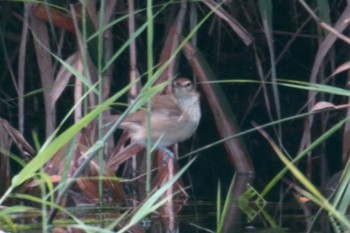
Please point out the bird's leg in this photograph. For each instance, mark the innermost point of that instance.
(168, 153)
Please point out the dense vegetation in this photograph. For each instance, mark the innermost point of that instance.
(273, 78)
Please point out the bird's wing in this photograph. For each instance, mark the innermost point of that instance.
(166, 105)
(135, 119)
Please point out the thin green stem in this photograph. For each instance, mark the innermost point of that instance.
(100, 61)
(150, 75)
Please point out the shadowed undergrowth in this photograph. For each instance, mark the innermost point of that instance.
(261, 70)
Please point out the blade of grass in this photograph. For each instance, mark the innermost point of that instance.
(44, 155)
(317, 196)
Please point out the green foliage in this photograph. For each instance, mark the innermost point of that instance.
(251, 203)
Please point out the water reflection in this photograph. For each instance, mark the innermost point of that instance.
(233, 219)
(186, 216)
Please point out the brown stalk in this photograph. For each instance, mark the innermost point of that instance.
(171, 44)
(58, 18)
(5, 145)
(334, 30)
(41, 44)
(90, 71)
(232, 22)
(323, 50)
(134, 73)
(117, 159)
(63, 76)
(9, 136)
(17, 137)
(86, 186)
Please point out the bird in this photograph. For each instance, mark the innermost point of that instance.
(174, 117)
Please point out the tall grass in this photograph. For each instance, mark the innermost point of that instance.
(90, 105)
(94, 58)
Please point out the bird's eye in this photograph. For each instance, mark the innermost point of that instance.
(182, 83)
(188, 84)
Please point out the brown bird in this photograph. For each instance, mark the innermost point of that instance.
(173, 118)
